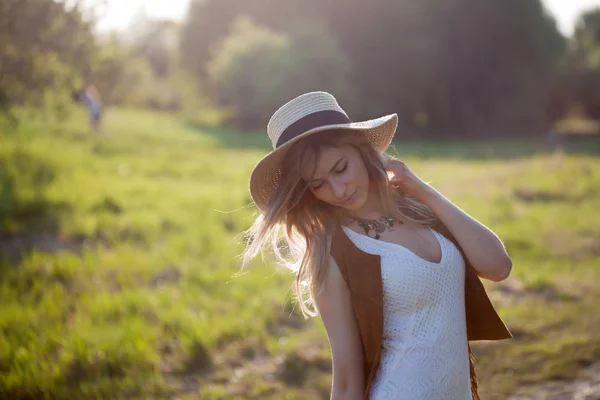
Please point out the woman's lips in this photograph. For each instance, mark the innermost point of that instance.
(348, 199)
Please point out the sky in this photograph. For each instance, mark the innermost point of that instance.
(118, 14)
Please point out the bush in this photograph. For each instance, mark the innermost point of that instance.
(256, 70)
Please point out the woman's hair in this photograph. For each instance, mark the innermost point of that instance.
(298, 227)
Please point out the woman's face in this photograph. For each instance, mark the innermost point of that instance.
(340, 177)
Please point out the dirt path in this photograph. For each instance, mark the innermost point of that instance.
(587, 387)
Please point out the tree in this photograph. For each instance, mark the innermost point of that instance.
(256, 69)
(456, 67)
(123, 77)
(461, 63)
(156, 41)
(206, 24)
(586, 39)
(209, 22)
(576, 87)
(45, 47)
(586, 60)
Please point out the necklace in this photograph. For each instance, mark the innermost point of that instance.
(378, 225)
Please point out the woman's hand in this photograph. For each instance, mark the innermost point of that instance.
(482, 247)
(403, 178)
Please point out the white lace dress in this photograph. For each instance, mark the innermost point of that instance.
(424, 347)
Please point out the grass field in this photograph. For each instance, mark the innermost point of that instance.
(117, 277)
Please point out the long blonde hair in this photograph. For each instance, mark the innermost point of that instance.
(298, 227)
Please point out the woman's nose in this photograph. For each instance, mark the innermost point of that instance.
(339, 189)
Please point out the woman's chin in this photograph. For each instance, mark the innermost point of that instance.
(354, 204)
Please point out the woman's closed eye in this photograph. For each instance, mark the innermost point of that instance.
(341, 169)
(317, 187)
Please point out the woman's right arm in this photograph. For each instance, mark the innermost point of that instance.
(335, 307)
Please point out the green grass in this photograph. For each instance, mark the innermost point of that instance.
(119, 255)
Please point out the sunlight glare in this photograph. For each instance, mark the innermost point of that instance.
(119, 14)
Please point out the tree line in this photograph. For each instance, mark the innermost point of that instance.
(459, 67)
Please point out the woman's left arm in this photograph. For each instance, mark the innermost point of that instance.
(481, 246)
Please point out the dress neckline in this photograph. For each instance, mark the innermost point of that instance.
(396, 246)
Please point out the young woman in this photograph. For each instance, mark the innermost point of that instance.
(392, 267)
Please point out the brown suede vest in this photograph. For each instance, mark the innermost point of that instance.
(362, 273)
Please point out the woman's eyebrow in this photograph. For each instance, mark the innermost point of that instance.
(330, 171)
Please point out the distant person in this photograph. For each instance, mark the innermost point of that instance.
(392, 267)
(92, 100)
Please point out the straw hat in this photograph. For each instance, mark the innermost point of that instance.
(303, 116)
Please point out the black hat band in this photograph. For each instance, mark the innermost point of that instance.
(311, 121)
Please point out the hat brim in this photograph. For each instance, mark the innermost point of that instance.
(266, 174)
